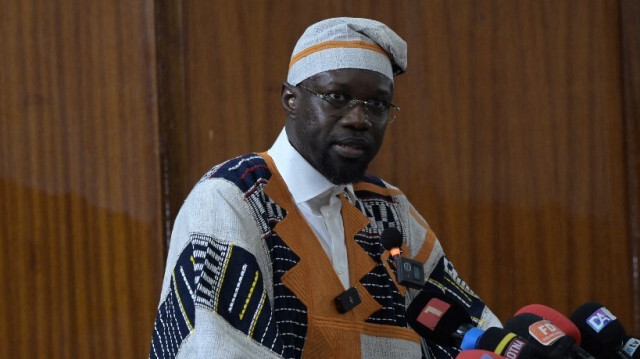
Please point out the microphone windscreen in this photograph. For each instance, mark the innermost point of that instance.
(436, 318)
(506, 343)
(601, 331)
(630, 347)
(391, 238)
(477, 354)
(557, 318)
(546, 337)
(471, 338)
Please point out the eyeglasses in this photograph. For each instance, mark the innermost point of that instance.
(344, 103)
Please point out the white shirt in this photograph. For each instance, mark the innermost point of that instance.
(317, 199)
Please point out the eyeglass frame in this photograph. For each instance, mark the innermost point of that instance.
(353, 102)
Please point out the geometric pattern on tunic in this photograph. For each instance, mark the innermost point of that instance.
(243, 171)
(230, 284)
(383, 212)
(265, 211)
(288, 315)
(176, 315)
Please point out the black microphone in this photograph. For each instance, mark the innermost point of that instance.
(438, 319)
(550, 341)
(409, 272)
(602, 333)
(630, 348)
(391, 240)
(499, 341)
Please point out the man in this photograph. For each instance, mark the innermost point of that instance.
(265, 242)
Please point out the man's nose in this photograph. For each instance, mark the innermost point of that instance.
(357, 116)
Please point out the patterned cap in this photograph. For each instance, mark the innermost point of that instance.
(346, 42)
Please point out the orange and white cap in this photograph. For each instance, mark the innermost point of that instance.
(345, 42)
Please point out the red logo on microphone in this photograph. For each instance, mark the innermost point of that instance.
(433, 312)
(545, 332)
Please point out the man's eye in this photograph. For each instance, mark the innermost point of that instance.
(336, 97)
(377, 105)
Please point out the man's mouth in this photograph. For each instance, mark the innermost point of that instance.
(351, 148)
(349, 151)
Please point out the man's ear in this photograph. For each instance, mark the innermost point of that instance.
(288, 98)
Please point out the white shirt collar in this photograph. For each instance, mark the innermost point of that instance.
(304, 181)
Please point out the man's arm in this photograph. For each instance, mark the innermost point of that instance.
(215, 300)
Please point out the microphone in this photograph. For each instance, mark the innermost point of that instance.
(557, 318)
(630, 348)
(409, 272)
(603, 334)
(550, 341)
(391, 240)
(477, 354)
(499, 341)
(436, 318)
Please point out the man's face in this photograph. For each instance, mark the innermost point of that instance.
(339, 142)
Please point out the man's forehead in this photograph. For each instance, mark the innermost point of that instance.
(352, 78)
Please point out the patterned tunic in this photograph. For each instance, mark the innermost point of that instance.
(246, 277)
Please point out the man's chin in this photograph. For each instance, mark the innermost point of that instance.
(340, 170)
(346, 175)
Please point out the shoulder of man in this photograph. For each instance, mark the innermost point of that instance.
(244, 171)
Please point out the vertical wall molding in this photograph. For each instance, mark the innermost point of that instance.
(630, 31)
(171, 107)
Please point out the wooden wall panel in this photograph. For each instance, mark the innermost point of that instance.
(510, 140)
(80, 223)
(522, 149)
